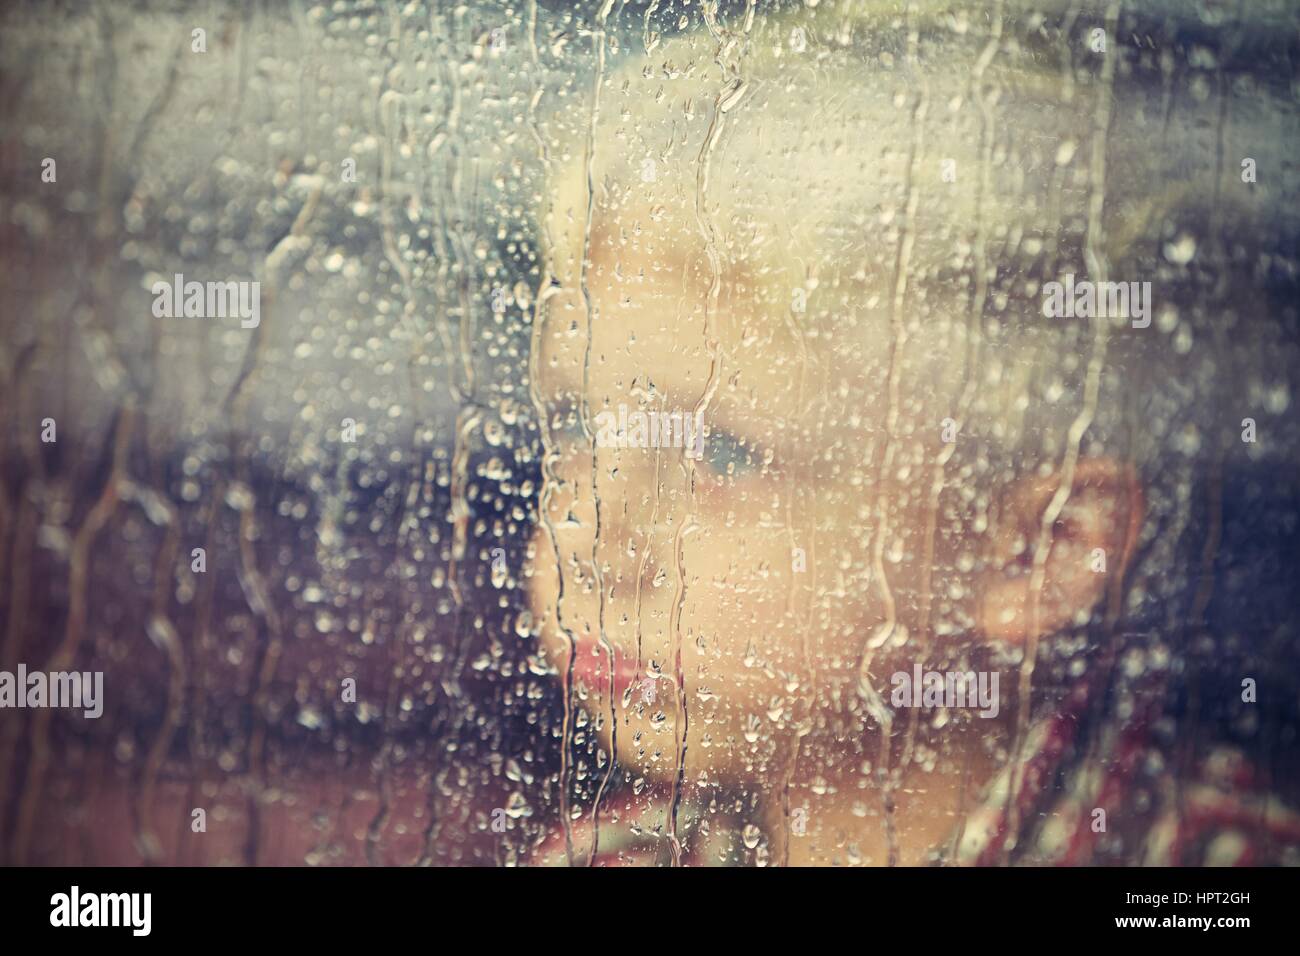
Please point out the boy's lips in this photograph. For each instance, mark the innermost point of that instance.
(630, 838)
(591, 664)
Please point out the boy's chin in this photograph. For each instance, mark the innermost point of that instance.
(653, 759)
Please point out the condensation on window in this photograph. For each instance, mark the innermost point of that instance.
(661, 432)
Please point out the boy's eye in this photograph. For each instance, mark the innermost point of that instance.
(725, 454)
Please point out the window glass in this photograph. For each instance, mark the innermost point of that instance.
(649, 433)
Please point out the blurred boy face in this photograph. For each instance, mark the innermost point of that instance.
(811, 531)
(847, 517)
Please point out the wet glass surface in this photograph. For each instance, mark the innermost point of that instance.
(652, 433)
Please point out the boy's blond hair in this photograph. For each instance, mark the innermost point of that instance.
(861, 163)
